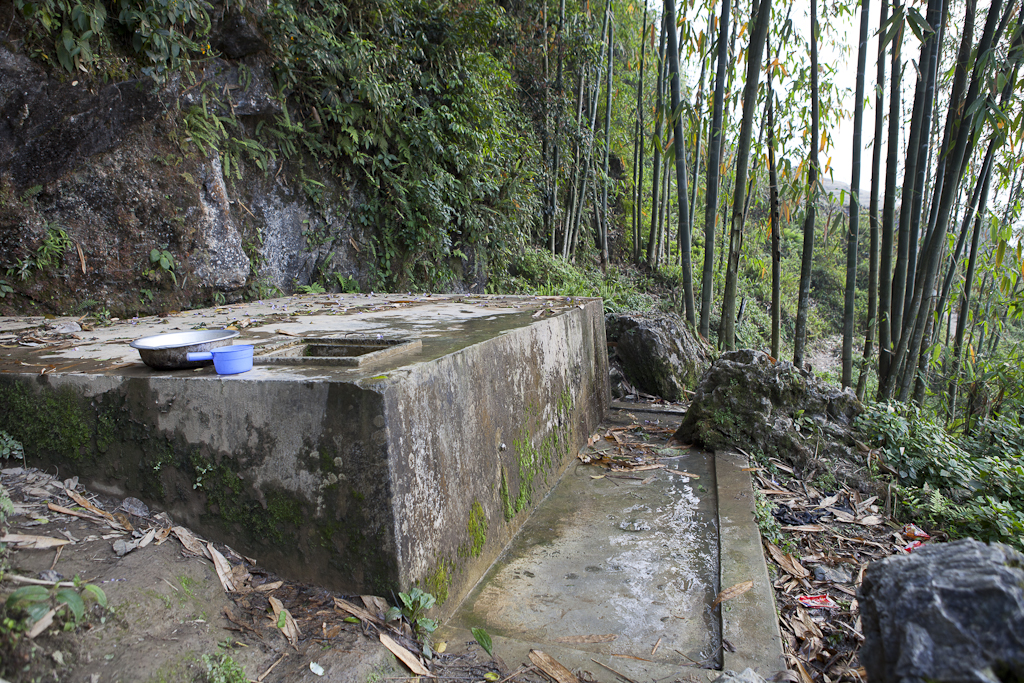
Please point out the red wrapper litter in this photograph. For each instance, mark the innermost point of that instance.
(912, 532)
(817, 601)
(913, 546)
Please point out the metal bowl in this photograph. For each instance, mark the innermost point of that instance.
(170, 351)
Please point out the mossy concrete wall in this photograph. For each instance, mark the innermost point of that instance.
(359, 482)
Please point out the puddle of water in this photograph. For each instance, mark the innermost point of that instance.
(613, 557)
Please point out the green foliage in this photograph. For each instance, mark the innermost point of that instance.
(5, 289)
(972, 487)
(162, 259)
(10, 447)
(36, 601)
(74, 28)
(537, 271)
(347, 285)
(210, 131)
(409, 96)
(314, 288)
(415, 605)
(48, 255)
(163, 33)
(221, 668)
(484, 638)
(766, 522)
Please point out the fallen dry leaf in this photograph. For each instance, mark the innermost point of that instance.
(267, 587)
(188, 540)
(290, 628)
(788, 562)
(41, 625)
(732, 592)
(408, 658)
(81, 500)
(220, 563)
(552, 668)
(375, 605)
(29, 542)
(356, 611)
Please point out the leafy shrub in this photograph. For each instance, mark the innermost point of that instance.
(163, 33)
(221, 668)
(10, 447)
(971, 487)
(538, 272)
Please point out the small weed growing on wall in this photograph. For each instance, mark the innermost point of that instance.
(162, 262)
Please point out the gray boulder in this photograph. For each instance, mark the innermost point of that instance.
(949, 612)
(657, 352)
(750, 400)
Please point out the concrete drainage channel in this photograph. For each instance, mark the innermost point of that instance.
(617, 573)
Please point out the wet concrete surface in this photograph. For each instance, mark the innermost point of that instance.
(619, 567)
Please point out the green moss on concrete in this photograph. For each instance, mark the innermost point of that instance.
(229, 498)
(476, 529)
(438, 582)
(526, 457)
(531, 460)
(49, 421)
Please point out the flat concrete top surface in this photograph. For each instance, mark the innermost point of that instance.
(444, 323)
(616, 567)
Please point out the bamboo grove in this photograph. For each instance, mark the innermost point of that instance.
(725, 117)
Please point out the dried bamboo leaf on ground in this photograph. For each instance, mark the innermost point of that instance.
(788, 562)
(407, 657)
(81, 500)
(29, 542)
(285, 622)
(222, 567)
(732, 592)
(552, 668)
(356, 611)
(188, 540)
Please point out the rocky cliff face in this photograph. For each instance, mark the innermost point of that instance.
(94, 177)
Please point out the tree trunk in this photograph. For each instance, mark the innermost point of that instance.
(659, 117)
(916, 155)
(680, 148)
(876, 163)
(773, 189)
(553, 211)
(803, 303)
(755, 52)
(910, 341)
(607, 143)
(713, 173)
(889, 211)
(639, 203)
(854, 232)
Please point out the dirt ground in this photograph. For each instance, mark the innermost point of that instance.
(169, 615)
(167, 607)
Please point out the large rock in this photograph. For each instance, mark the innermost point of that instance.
(50, 125)
(950, 612)
(748, 399)
(658, 354)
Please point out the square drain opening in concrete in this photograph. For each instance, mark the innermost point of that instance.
(343, 351)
